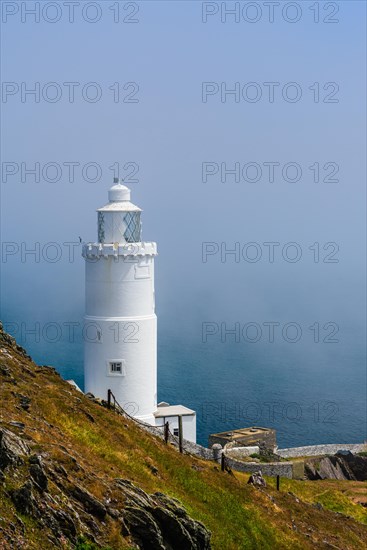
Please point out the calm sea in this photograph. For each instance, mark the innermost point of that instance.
(310, 394)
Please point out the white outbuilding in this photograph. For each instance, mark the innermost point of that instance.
(120, 331)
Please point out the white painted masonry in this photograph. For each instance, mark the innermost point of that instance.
(120, 350)
(120, 333)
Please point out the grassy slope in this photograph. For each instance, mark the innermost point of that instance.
(239, 515)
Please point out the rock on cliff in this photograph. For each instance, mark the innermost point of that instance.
(151, 521)
(343, 465)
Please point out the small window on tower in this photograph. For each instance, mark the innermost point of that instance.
(116, 368)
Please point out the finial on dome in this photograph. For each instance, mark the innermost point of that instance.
(118, 192)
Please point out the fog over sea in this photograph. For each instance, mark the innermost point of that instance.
(305, 391)
(244, 144)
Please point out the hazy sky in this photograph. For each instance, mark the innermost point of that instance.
(167, 123)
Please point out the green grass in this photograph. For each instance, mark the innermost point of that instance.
(83, 544)
(328, 494)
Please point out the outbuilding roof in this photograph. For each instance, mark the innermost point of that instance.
(173, 410)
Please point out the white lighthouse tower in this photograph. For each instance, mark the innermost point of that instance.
(120, 334)
(120, 331)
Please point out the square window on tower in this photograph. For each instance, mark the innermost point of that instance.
(116, 368)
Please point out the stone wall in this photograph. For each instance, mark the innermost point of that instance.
(272, 469)
(198, 450)
(188, 446)
(318, 450)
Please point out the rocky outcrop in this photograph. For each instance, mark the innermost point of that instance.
(8, 340)
(12, 449)
(37, 473)
(343, 465)
(357, 464)
(62, 523)
(91, 504)
(257, 479)
(154, 521)
(160, 522)
(24, 500)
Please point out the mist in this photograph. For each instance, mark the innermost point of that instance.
(197, 165)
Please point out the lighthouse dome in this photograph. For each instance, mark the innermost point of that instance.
(118, 192)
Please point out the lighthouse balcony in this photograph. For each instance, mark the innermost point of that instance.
(92, 251)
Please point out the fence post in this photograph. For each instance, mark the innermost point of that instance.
(109, 398)
(180, 433)
(222, 462)
(166, 432)
(278, 482)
